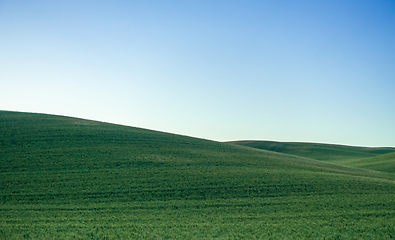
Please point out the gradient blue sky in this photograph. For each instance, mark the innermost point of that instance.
(312, 71)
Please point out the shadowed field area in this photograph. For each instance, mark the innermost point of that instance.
(385, 163)
(318, 151)
(64, 177)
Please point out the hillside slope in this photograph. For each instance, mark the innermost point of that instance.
(317, 151)
(64, 177)
(385, 163)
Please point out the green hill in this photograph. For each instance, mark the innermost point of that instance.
(69, 178)
(323, 152)
(385, 163)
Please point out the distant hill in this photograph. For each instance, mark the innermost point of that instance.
(385, 163)
(66, 178)
(322, 152)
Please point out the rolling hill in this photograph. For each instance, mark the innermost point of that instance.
(64, 177)
(384, 162)
(318, 151)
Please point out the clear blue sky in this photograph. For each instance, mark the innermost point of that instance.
(312, 71)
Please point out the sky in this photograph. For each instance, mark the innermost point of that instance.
(296, 71)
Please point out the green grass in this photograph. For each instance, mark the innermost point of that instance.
(70, 178)
(385, 163)
(317, 151)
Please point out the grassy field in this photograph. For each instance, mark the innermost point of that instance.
(385, 163)
(69, 178)
(317, 151)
